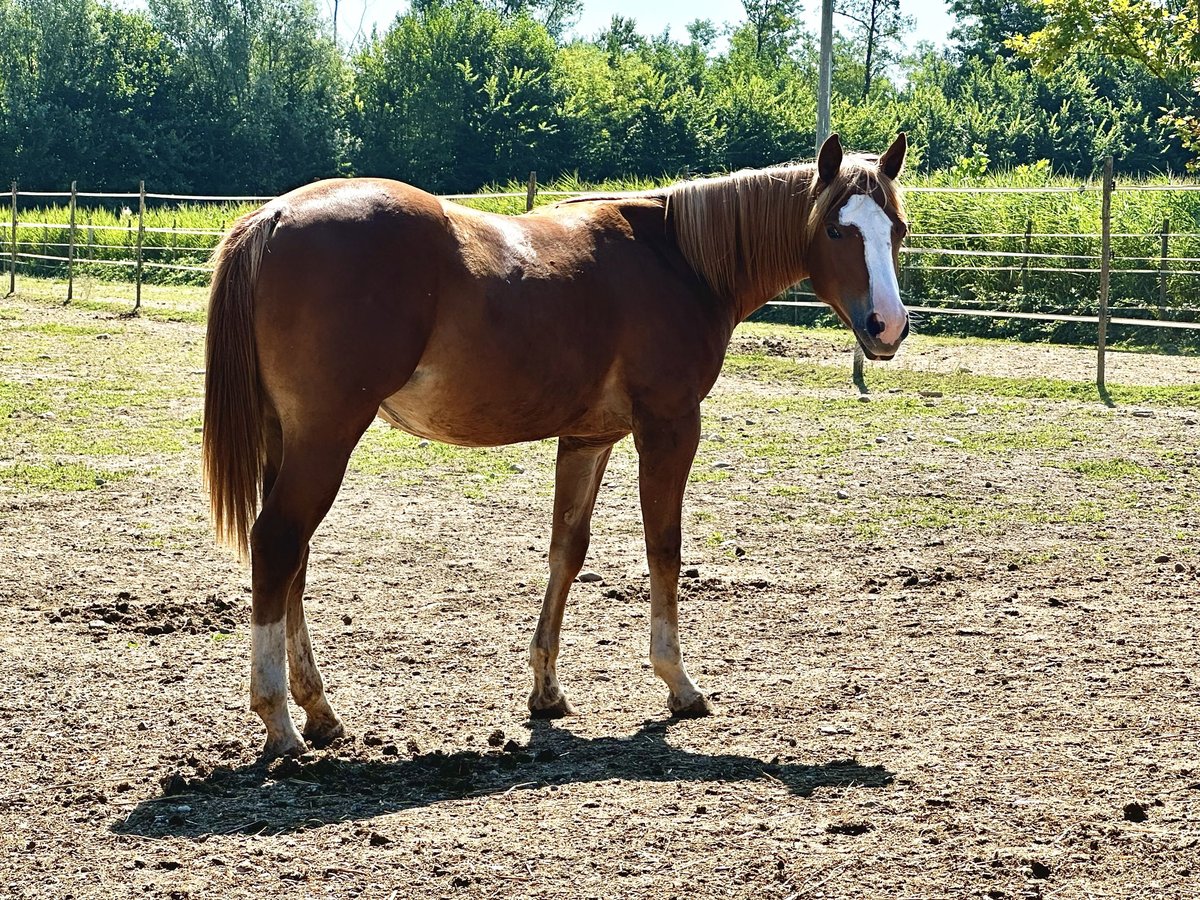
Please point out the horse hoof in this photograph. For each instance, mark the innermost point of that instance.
(285, 745)
(323, 732)
(554, 709)
(697, 708)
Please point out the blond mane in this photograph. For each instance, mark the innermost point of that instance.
(749, 233)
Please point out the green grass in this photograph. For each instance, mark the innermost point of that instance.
(959, 384)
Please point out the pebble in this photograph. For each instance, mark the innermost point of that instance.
(722, 464)
(881, 439)
(517, 468)
(843, 494)
(952, 441)
(1134, 812)
(1143, 413)
(589, 577)
(691, 573)
(864, 398)
(930, 393)
(422, 444)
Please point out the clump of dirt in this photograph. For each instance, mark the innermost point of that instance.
(129, 613)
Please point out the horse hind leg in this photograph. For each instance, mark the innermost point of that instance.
(303, 489)
(577, 477)
(322, 725)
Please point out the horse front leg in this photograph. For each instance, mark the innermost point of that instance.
(577, 476)
(666, 448)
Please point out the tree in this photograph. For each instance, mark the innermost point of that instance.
(986, 26)
(454, 96)
(878, 25)
(556, 15)
(1163, 36)
(774, 25)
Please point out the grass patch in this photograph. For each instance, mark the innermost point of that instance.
(816, 375)
(1110, 469)
(57, 476)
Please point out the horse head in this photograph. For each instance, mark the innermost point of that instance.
(854, 247)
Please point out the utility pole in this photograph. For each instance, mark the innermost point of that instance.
(825, 77)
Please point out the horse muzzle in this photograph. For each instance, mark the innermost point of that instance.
(877, 339)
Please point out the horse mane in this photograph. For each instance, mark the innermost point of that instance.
(749, 233)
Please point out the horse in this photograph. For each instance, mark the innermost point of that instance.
(587, 320)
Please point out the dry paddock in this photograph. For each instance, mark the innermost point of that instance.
(951, 633)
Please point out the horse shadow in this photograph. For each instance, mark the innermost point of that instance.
(292, 795)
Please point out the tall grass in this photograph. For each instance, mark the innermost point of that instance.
(1065, 224)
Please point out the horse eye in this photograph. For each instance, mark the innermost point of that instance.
(833, 232)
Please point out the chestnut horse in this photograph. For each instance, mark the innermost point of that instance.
(587, 320)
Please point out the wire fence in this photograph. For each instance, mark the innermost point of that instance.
(1056, 277)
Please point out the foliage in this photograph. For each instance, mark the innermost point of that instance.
(252, 96)
(1163, 36)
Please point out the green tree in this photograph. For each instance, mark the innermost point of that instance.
(878, 26)
(454, 96)
(1162, 36)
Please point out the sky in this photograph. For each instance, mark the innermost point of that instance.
(933, 19)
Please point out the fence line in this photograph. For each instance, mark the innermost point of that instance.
(136, 228)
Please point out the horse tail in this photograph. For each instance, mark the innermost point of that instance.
(233, 445)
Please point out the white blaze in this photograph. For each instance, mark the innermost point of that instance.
(876, 229)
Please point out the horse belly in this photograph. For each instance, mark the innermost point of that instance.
(473, 412)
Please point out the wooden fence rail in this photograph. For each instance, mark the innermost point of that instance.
(1018, 271)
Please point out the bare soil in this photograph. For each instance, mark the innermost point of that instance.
(973, 673)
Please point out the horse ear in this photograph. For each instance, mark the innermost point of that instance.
(891, 163)
(829, 160)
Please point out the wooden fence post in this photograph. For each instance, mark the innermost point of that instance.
(71, 250)
(137, 305)
(1162, 263)
(531, 191)
(12, 246)
(1105, 269)
(857, 372)
(1025, 258)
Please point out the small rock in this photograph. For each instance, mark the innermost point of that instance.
(347, 620)
(422, 444)
(952, 441)
(1134, 812)
(1162, 559)
(589, 577)
(517, 469)
(852, 829)
(930, 393)
(864, 398)
(693, 572)
(881, 439)
(722, 464)
(1143, 414)
(511, 746)
(843, 494)
(103, 337)
(379, 840)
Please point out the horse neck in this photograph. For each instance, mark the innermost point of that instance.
(746, 234)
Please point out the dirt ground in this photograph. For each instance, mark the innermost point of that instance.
(951, 631)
